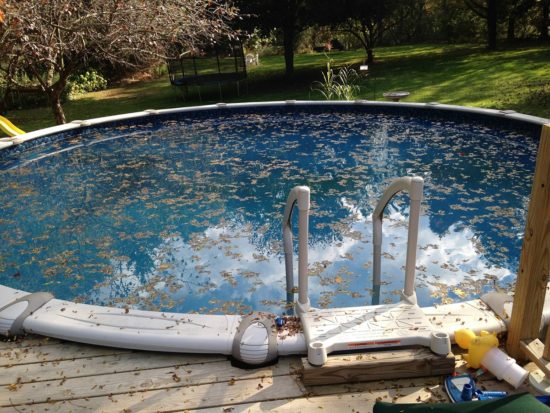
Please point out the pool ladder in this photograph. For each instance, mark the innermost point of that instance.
(353, 328)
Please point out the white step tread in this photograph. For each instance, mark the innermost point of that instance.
(371, 326)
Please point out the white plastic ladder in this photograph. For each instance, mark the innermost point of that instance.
(368, 327)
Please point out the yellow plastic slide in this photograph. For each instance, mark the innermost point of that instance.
(7, 127)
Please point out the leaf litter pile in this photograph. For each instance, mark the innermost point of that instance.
(184, 214)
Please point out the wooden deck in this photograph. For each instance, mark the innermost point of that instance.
(47, 375)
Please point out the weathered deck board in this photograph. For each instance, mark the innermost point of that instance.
(182, 398)
(152, 379)
(93, 366)
(54, 352)
(350, 402)
(358, 402)
(27, 341)
(68, 377)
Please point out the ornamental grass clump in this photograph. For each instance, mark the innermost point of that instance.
(338, 85)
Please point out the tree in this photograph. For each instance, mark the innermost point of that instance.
(48, 41)
(289, 16)
(366, 20)
(515, 10)
(544, 20)
(487, 10)
(451, 21)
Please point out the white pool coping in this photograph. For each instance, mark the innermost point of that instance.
(76, 124)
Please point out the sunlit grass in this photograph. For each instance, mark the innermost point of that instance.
(466, 75)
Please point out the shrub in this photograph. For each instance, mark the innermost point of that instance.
(89, 81)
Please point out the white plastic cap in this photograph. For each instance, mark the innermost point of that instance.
(515, 375)
(440, 342)
(504, 367)
(317, 353)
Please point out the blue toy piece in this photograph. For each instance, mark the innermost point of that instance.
(462, 388)
(455, 386)
(488, 395)
(467, 392)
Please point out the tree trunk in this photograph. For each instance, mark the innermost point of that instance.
(3, 102)
(57, 109)
(288, 42)
(289, 34)
(54, 97)
(544, 20)
(370, 55)
(492, 24)
(511, 35)
(368, 34)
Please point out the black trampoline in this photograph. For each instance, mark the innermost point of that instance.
(215, 65)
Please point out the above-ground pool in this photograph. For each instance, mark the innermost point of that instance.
(181, 211)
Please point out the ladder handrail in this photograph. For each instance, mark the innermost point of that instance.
(299, 195)
(414, 186)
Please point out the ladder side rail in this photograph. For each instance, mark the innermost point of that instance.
(300, 196)
(288, 241)
(303, 233)
(415, 194)
(414, 186)
(395, 187)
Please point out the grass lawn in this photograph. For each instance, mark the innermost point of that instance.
(515, 78)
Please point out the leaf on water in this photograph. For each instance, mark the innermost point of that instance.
(459, 292)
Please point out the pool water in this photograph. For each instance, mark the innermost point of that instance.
(184, 213)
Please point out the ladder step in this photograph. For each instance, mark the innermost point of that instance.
(378, 365)
(356, 328)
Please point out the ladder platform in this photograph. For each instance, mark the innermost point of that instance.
(369, 327)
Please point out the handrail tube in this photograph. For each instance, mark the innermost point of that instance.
(303, 229)
(415, 193)
(287, 242)
(414, 186)
(300, 196)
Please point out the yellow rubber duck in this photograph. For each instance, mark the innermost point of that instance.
(477, 346)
